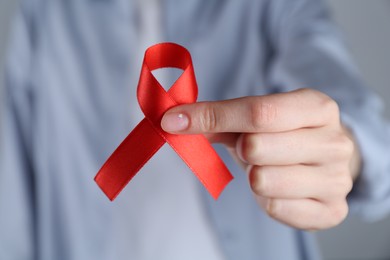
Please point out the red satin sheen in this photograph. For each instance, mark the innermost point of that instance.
(147, 137)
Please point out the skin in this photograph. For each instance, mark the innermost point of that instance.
(301, 161)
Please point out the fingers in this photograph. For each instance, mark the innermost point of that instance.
(305, 214)
(303, 146)
(296, 152)
(303, 196)
(300, 182)
(272, 113)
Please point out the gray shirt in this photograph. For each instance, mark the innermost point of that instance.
(70, 80)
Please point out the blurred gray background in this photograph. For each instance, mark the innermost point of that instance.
(366, 25)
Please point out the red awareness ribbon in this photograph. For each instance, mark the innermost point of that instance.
(147, 137)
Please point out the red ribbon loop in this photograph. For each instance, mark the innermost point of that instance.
(147, 137)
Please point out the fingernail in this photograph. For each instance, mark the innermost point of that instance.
(174, 122)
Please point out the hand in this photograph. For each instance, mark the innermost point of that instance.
(296, 152)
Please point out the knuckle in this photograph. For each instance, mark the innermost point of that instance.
(262, 113)
(345, 147)
(331, 107)
(307, 91)
(346, 183)
(341, 147)
(340, 182)
(348, 146)
(328, 105)
(208, 120)
(339, 213)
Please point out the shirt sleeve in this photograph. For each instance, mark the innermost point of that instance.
(16, 174)
(307, 51)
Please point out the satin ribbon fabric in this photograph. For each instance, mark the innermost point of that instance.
(147, 137)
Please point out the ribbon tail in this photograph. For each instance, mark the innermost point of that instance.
(203, 160)
(124, 163)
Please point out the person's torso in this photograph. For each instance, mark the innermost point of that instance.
(84, 82)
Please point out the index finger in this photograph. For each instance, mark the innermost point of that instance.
(271, 113)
